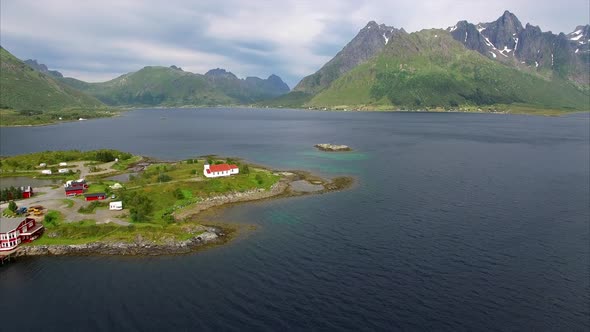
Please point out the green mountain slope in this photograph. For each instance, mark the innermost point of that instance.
(23, 88)
(431, 69)
(157, 86)
(171, 86)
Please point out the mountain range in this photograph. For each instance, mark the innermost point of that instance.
(30, 85)
(497, 64)
(493, 63)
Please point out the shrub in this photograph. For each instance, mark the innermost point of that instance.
(12, 206)
(164, 177)
(178, 194)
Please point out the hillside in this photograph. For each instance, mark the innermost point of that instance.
(429, 69)
(25, 89)
(171, 86)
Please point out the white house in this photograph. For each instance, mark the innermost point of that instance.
(215, 171)
(63, 164)
(46, 171)
(63, 170)
(116, 206)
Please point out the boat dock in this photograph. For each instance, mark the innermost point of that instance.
(6, 255)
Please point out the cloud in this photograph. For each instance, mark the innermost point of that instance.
(94, 40)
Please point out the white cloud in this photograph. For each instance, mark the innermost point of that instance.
(94, 39)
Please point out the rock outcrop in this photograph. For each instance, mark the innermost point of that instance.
(333, 147)
(139, 247)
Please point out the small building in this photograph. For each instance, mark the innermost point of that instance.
(14, 231)
(95, 197)
(27, 191)
(77, 187)
(73, 191)
(46, 171)
(63, 164)
(116, 206)
(63, 170)
(215, 171)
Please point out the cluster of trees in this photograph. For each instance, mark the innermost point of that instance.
(7, 194)
(32, 161)
(140, 205)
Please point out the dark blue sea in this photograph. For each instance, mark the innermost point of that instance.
(456, 222)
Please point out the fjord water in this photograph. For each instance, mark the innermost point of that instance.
(456, 222)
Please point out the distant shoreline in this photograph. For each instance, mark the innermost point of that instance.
(530, 112)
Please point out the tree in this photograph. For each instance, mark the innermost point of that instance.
(140, 206)
(245, 169)
(259, 178)
(12, 206)
(3, 195)
(164, 177)
(178, 194)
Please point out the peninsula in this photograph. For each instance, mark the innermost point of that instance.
(110, 202)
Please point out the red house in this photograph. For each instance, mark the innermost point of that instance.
(71, 191)
(14, 231)
(95, 196)
(74, 188)
(27, 192)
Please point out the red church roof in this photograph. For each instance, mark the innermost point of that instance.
(220, 168)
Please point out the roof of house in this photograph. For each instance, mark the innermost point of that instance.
(95, 195)
(74, 188)
(9, 224)
(221, 168)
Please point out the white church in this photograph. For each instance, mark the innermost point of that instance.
(215, 171)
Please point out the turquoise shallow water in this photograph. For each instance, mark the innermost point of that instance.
(456, 222)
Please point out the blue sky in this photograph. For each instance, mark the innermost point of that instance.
(100, 40)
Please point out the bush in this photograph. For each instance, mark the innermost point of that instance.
(259, 178)
(12, 206)
(164, 177)
(193, 171)
(178, 194)
(245, 169)
(51, 218)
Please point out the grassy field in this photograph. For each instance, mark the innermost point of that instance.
(11, 117)
(30, 162)
(58, 232)
(185, 184)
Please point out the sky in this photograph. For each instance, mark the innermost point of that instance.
(99, 40)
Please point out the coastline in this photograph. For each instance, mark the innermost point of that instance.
(213, 235)
(361, 109)
(188, 216)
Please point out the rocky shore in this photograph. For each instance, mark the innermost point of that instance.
(139, 247)
(332, 147)
(251, 195)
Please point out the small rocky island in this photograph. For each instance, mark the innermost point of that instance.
(332, 147)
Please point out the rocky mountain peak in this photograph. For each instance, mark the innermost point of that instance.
(42, 68)
(369, 41)
(219, 72)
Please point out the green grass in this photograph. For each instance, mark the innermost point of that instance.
(28, 97)
(87, 231)
(29, 163)
(68, 202)
(293, 99)
(122, 165)
(163, 196)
